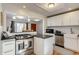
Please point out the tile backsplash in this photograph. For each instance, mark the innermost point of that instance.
(67, 29)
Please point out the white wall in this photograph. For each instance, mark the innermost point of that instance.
(0, 13)
(0, 7)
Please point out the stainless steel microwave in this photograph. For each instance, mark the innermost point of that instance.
(50, 31)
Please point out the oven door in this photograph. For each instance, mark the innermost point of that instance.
(59, 41)
(30, 43)
(19, 47)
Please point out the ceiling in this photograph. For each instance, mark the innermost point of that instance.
(43, 9)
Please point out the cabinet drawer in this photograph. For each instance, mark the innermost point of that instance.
(9, 47)
(10, 52)
(8, 43)
(6, 46)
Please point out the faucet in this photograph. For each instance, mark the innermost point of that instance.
(71, 31)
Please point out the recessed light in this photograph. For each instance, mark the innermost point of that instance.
(20, 17)
(51, 5)
(14, 17)
(29, 20)
(37, 20)
(24, 6)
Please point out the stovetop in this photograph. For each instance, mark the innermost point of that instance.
(23, 36)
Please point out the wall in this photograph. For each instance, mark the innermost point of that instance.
(40, 27)
(0, 13)
(16, 9)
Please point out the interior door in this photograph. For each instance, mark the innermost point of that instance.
(33, 27)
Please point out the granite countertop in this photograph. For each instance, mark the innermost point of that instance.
(30, 36)
(44, 36)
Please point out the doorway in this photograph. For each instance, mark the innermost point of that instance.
(33, 27)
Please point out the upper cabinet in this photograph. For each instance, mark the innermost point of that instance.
(74, 18)
(67, 19)
(55, 21)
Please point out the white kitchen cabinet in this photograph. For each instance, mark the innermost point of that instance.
(38, 46)
(8, 47)
(67, 43)
(74, 17)
(71, 42)
(43, 46)
(51, 21)
(68, 19)
(59, 20)
(55, 21)
(78, 44)
(48, 46)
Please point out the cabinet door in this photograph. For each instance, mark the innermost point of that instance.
(48, 46)
(67, 43)
(66, 19)
(70, 43)
(59, 20)
(52, 21)
(55, 21)
(38, 46)
(78, 44)
(74, 44)
(74, 18)
(8, 47)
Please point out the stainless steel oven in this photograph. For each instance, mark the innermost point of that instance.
(20, 47)
(30, 43)
(59, 40)
(24, 43)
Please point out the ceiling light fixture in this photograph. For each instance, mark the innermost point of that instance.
(36, 20)
(20, 17)
(51, 5)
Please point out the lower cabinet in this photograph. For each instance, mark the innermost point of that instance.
(8, 47)
(43, 46)
(71, 43)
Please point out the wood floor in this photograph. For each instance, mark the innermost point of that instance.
(62, 51)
